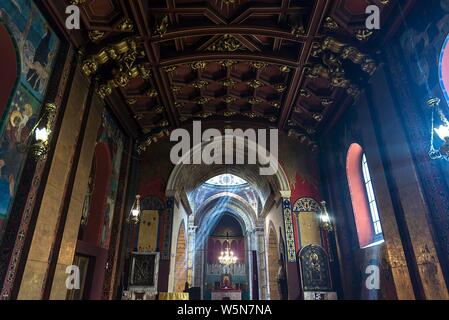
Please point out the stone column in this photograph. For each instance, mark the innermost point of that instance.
(191, 251)
(262, 257)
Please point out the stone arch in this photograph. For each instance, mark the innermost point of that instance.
(181, 260)
(186, 177)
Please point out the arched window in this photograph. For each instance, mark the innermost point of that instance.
(366, 213)
(444, 68)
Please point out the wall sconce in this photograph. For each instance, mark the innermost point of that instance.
(41, 131)
(326, 223)
(442, 131)
(135, 213)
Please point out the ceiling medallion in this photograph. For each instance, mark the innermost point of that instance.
(275, 104)
(205, 115)
(284, 69)
(229, 113)
(255, 84)
(229, 99)
(228, 83)
(152, 93)
(164, 123)
(280, 87)
(202, 100)
(250, 115)
(176, 89)
(326, 102)
(226, 43)
(298, 31)
(363, 34)
(318, 117)
(228, 63)
(199, 65)
(170, 69)
(200, 84)
(330, 24)
(131, 101)
(77, 2)
(96, 35)
(258, 65)
(304, 93)
(139, 116)
(126, 26)
(254, 100)
(159, 109)
(161, 27)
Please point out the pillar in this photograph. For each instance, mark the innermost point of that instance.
(292, 267)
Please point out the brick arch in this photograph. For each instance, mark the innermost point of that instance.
(180, 260)
(9, 66)
(273, 263)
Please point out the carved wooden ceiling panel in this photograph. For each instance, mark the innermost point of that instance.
(291, 64)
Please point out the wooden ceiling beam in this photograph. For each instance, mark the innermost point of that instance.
(160, 80)
(219, 56)
(318, 15)
(201, 30)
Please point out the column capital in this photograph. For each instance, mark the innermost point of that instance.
(285, 194)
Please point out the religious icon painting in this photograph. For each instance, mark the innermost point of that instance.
(36, 42)
(15, 138)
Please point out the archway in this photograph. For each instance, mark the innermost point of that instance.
(273, 264)
(180, 260)
(185, 181)
(9, 65)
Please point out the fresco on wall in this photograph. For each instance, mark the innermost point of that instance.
(36, 42)
(111, 134)
(37, 46)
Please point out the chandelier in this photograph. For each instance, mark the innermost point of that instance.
(227, 258)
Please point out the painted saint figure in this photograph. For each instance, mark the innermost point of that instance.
(37, 70)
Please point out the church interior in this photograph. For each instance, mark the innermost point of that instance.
(96, 94)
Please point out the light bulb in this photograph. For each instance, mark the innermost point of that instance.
(135, 212)
(41, 134)
(442, 132)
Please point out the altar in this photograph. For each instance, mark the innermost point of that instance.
(226, 294)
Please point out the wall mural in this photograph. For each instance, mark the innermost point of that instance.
(111, 134)
(37, 45)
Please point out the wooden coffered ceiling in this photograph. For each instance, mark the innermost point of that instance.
(291, 64)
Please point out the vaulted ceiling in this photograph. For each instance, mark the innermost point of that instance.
(291, 64)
